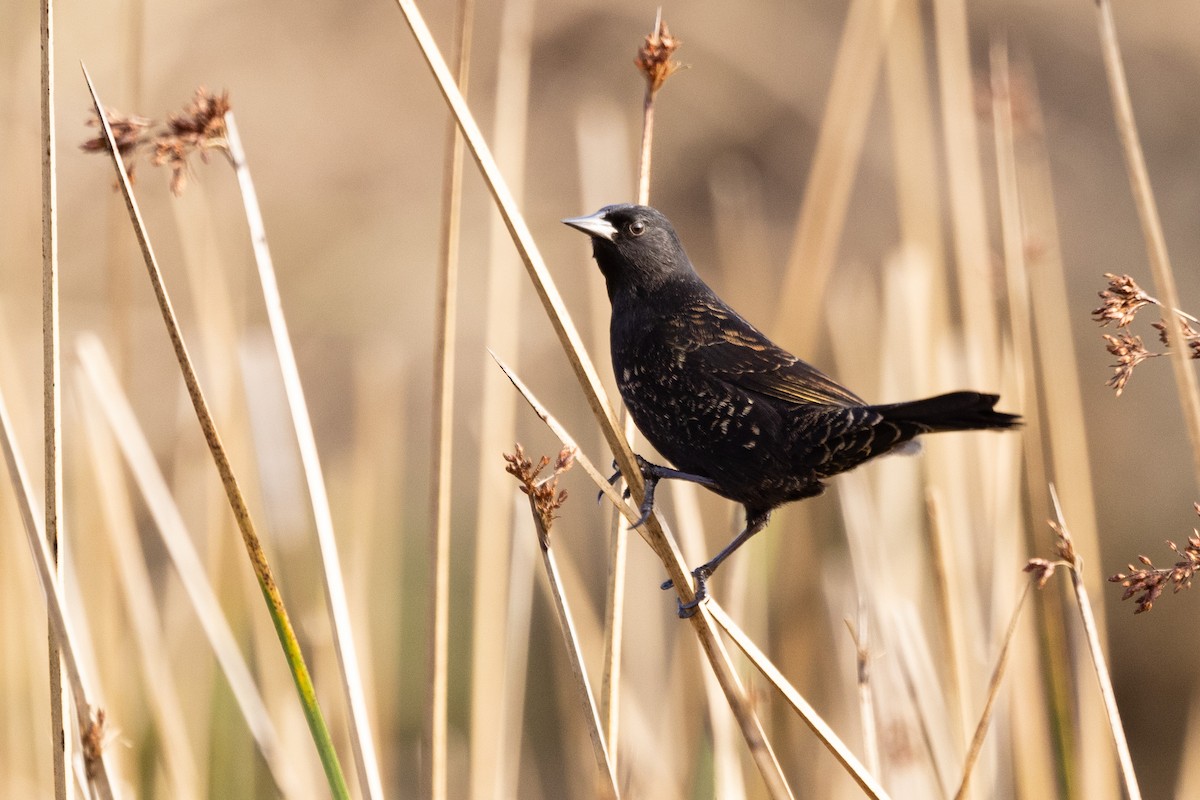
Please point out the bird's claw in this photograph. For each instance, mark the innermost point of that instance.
(700, 575)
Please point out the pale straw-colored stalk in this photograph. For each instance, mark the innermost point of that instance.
(105, 392)
(81, 688)
(361, 739)
(1092, 635)
(1147, 211)
(441, 499)
(818, 230)
(60, 738)
(968, 211)
(141, 607)
(993, 692)
(237, 501)
(491, 733)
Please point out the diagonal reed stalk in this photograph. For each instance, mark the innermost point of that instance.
(993, 692)
(1092, 635)
(542, 503)
(361, 740)
(589, 380)
(1147, 210)
(443, 426)
(237, 502)
(90, 717)
(52, 394)
(105, 393)
(163, 701)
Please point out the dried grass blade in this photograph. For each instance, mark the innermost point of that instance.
(61, 743)
(831, 177)
(60, 627)
(869, 784)
(993, 692)
(237, 502)
(106, 392)
(1092, 635)
(361, 740)
(1147, 209)
(608, 783)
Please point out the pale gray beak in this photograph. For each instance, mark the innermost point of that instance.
(593, 225)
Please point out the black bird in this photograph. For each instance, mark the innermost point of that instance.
(730, 409)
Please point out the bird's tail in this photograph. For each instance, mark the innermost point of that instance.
(957, 411)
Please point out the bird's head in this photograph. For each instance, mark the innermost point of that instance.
(636, 248)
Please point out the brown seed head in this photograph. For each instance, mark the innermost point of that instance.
(654, 58)
(1122, 299)
(1130, 352)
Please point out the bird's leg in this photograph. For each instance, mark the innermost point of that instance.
(755, 522)
(651, 475)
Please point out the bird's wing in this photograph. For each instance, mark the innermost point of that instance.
(723, 344)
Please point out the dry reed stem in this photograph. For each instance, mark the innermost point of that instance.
(106, 392)
(993, 692)
(967, 208)
(822, 213)
(490, 733)
(914, 143)
(543, 501)
(350, 678)
(1091, 632)
(866, 698)
(445, 353)
(1066, 438)
(237, 502)
(869, 784)
(948, 589)
(589, 380)
(142, 609)
(1147, 210)
(60, 739)
(89, 716)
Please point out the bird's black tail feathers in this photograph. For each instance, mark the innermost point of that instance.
(956, 411)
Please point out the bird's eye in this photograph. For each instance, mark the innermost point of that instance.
(637, 228)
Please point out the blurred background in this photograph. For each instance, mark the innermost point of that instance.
(344, 131)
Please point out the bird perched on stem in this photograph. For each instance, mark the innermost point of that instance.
(727, 407)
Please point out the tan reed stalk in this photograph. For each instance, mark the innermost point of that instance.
(866, 781)
(491, 733)
(544, 499)
(1067, 438)
(914, 163)
(831, 176)
(993, 692)
(237, 502)
(361, 740)
(1091, 633)
(60, 739)
(1147, 210)
(106, 392)
(589, 380)
(89, 717)
(968, 211)
(141, 607)
(445, 353)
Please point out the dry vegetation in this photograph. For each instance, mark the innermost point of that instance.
(916, 199)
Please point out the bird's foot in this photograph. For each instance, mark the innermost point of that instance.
(700, 575)
(651, 475)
